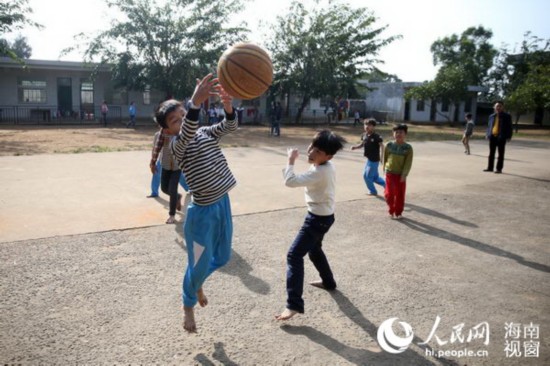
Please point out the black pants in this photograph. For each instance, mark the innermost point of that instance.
(169, 182)
(308, 241)
(494, 144)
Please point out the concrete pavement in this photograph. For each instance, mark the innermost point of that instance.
(472, 252)
(66, 194)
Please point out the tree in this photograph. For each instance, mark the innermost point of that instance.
(13, 17)
(520, 77)
(20, 48)
(164, 47)
(322, 52)
(465, 60)
(472, 51)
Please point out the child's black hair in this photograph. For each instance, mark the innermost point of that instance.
(164, 109)
(402, 127)
(468, 115)
(328, 142)
(371, 121)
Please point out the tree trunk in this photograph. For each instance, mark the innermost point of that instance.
(305, 101)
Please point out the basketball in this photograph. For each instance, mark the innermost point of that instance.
(245, 71)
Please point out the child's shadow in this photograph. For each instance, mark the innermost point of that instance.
(218, 354)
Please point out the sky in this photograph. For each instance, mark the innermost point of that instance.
(419, 22)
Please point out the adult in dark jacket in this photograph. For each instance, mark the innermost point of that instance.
(499, 131)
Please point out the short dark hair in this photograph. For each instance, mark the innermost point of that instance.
(469, 115)
(164, 109)
(370, 121)
(328, 142)
(401, 127)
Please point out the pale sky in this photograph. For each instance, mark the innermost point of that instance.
(420, 22)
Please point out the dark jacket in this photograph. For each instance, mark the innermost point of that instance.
(505, 122)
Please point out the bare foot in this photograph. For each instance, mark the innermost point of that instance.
(171, 220)
(286, 314)
(203, 300)
(318, 284)
(189, 319)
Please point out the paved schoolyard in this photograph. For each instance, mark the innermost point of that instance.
(92, 275)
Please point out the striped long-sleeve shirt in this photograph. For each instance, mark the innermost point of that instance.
(198, 154)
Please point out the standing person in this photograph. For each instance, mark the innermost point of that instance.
(356, 118)
(272, 118)
(170, 172)
(104, 110)
(373, 151)
(499, 131)
(212, 115)
(398, 157)
(278, 116)
(208, 227)
(240, 111)
(320, 188)
(468, 131)
(132, 113)
(156, 168)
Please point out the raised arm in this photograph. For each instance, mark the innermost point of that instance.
(205, 88)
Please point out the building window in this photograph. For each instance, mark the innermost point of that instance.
(86, 92)
(445, 106)
(32, 91)
(420, 105)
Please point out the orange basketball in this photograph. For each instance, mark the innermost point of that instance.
(245, 71)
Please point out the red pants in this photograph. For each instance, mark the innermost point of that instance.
(395, 193)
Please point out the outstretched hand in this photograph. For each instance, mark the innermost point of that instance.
(227, 100)
(205, 88)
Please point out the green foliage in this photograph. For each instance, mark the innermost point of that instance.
(165, 47)
(465, 60)
(13, 17)
(521, 77)
(19, 48)
(533, 92)
(322, 51)
(471, 50)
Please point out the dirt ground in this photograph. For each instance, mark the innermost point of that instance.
(32, 140)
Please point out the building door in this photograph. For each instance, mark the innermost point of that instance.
(407, 110)
(64, 97)
(433, 109)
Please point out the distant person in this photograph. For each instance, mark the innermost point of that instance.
(212, 115)
(373, 147)
(320, 188)
(398, 157)
(132, 113)
(104, 111)
(499, 131)
(240, 111)
(272, 118)
(356, 118)
(278, 116)
(468, 131)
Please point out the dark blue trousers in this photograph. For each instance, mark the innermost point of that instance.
(308, 241)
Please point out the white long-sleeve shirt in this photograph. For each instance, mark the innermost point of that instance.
(320, 187)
